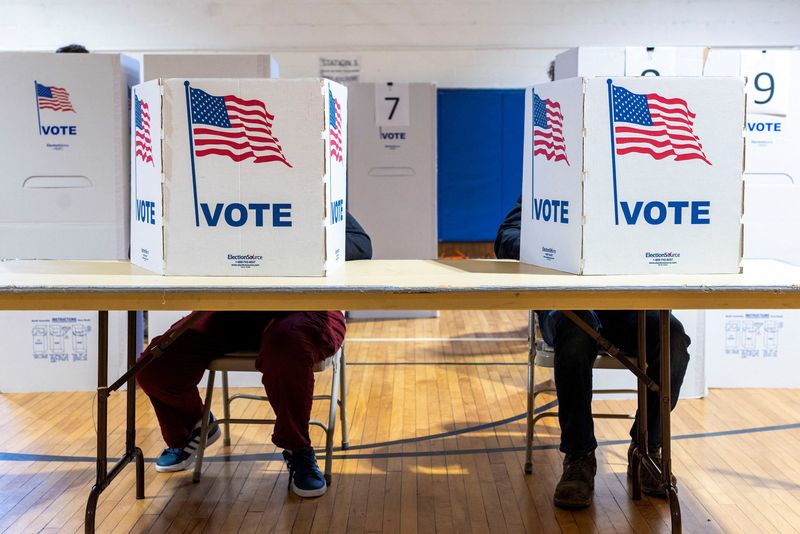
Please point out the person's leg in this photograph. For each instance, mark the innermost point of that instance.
(290, 346)
(575, 352)
(170, 381)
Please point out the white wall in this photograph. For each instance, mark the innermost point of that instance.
(455, 43)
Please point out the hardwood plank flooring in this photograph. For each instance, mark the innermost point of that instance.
(436, 420)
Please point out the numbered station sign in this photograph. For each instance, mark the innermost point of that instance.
(769, 76)
(664, 61)
(392, 104)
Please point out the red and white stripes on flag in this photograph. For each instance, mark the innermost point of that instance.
(548, 130)
(52, 97)
(233, 127)
(335, 123)
(655, 125)
(143, 143)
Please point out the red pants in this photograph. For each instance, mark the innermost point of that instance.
(288, 343)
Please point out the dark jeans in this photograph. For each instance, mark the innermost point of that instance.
(288, 344)
(575, 353)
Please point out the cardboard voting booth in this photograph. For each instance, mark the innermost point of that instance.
(664, 60)
(391, 166)
(57, 351)
(772, 128)
(758, 348)
(154, 66)
(633, 175)
(64, 148)
(589, 61)
(238, 177)
(753, 348)
(65, 187)
(772, 164)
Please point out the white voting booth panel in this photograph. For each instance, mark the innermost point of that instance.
(391, 173)
(695, 381)
(753, 348)
(203, 66)
(159, 321)
(57, 351)
(772, 129)
(664, 60)
(64, 147)
(759, 348)
(630, 61)
(65, 182)
(633, 175)
(207, 66)
(590, 61)
(245, 177)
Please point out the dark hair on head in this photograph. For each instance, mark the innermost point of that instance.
(551, 70)
(72, 49)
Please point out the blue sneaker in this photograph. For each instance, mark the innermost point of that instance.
(305, 478)
(180, 458)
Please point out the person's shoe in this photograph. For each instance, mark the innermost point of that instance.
(180, 458)
(651, 485)
(576, 487)
(305, 478)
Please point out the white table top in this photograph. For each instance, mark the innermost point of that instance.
(390, 284)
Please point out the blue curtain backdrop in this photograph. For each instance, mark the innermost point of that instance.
(479, 151)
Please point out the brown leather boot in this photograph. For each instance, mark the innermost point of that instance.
(576, 487)
(651, 485)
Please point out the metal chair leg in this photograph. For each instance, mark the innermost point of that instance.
(331, 430)
(531, 372)
(226, 410)
(343, 398)
(666, 428)
(198, 461)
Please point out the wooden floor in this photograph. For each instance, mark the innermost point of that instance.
(437, 429)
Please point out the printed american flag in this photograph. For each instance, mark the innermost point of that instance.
(233, 127)
(143, 147)
(52, 97)
(548, 130)
(335, 121)
(654, 125)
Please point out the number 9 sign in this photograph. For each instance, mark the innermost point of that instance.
(769, 80)
(768, 88)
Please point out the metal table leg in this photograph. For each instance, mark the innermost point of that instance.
(130, 432)
(132, 452)
(102, 421)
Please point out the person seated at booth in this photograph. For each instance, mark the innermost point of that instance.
(289, 344)
(575, 353)
(73, 48)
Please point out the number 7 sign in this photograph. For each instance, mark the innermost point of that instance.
(391, 104)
